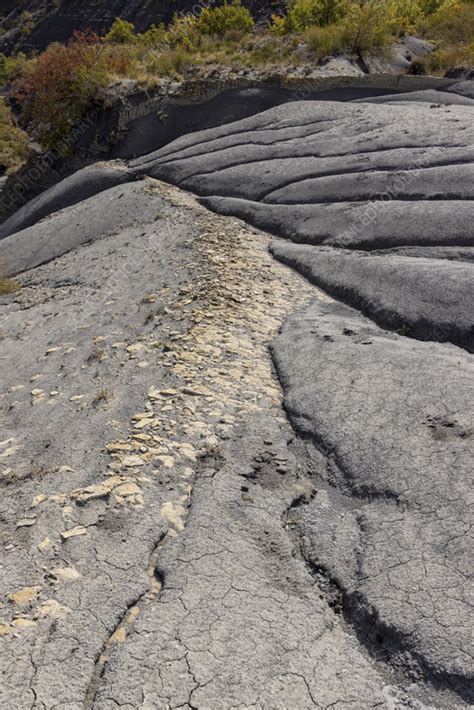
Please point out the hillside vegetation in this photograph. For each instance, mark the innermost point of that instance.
(13, 142)
(57, 87)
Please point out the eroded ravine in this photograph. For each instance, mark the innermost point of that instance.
(247, 299)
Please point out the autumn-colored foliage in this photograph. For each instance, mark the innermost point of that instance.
(62, 83)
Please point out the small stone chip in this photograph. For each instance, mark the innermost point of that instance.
(196, 391)
(141, 415)
(167, 461)
(145, 422)
(132, 460)
(119, 446)
(188, 451)
(135, 348)
(74, 532)
(44, 544)
(65, 574)
(173, 513)
(99, 490)
(118, 636)
(130, 493)
(9, 452)
(26, 522)
(52, 608)
(23, 623)
(142, 437)
(24, 596)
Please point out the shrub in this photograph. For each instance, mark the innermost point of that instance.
(271, 51)
(59, 86)
(452, 24)
(26, 23)
(155, 36)
(8, 286)
(365, 29)
(403, 15)
(278, 25)
(324, 41)
(452, 28)
(218, 21)
(11, 67)
(430, 6)
(168, 63)
(121, 32)
(183, 32)
(308, 13)
(13, 141)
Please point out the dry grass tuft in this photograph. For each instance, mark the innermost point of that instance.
(8, 286)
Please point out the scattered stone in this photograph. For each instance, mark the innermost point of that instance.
(135, 348)
(173, 513)
(51, 608)
(26, 522)
(65, 574)
(44, 545)
(74, 532)
(23, 623)
(119, 446)
(24, 596)
(132, 461)
(167, 461)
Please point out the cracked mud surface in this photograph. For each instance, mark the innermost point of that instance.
(177, 531)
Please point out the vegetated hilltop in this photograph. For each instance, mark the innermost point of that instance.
(33, 24)
(56, 88)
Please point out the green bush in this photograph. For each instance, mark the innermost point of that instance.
(373, 18)
(121, 32)
(430, 6)
(452, 28)
(452, 24)
(183, 32)
(324, 41)
(309, 13)
(168, 63)
(218, 21)
(279, 25)
(11, 67)
(366, 29)
(402, 15)
(155, 36)
(13, 142)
